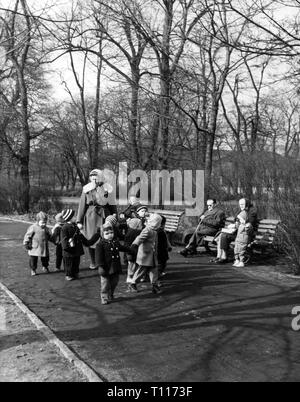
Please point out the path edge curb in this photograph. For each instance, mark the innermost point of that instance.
(86, 370)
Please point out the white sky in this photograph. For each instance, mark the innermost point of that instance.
(60, 69)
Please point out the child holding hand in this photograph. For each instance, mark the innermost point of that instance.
(108, 261)
(56, 234)
(36, 241)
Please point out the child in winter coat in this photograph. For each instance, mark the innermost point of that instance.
(56, 234)
(112, 220)
(142, 213)
(145, 244)
(135, 227)
(36, 242)
(163, 248)
(244, 233)
(72, 241)
(108, 262)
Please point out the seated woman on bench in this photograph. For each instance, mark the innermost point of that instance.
(211, 221)
(224, 239)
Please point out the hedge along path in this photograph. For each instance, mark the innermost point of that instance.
(86, 370)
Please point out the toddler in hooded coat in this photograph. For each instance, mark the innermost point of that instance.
(146, 257)
(135, 227)
(244, 233)
(36, 241)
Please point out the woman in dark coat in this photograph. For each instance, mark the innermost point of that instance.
(224, 239)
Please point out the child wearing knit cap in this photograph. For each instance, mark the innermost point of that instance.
(108, 262)
(142, 214)
(72, 241)
(56, 234)
(36, 241)
(112, 220)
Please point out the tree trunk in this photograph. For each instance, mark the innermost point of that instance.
(25, 152)
(134, 115)
(210, 146)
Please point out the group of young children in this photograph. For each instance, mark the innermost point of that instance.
(140, 235)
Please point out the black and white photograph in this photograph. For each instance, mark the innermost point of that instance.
(149, 194)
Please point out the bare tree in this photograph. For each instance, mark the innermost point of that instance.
(21, 69)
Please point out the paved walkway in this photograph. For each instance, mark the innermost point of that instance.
(25, 354)
(212, 323)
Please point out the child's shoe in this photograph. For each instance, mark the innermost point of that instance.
(156, 289)
(69, 278)
(46, 270)
(33, 273)
(132, 287)
(236, 263)
(129, 278)
(104, 301)
(240, 264)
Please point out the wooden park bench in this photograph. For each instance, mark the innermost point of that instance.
(263, 240)
(172, 220)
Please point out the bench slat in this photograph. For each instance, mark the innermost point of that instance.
(170, 229)
(171, 223)
(166, 212)
(172, 218)
(268, 227)
(274, 222)
(260, 230)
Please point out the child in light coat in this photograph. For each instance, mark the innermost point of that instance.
(146, 258)
(36, 241)
(135, 227)
(244, 234)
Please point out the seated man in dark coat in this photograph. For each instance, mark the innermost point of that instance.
(211, 221)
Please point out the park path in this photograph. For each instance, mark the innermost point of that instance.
(25, 353)
(212, 323)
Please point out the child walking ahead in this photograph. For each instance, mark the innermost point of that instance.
(108, 262)
(36, 241)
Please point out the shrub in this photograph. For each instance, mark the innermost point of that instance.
(287, 206)
(5, 206)
(10, 198)
(44, 199)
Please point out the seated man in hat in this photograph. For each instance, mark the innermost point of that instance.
(211, 221)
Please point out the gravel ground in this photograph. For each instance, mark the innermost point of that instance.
(25, 355)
